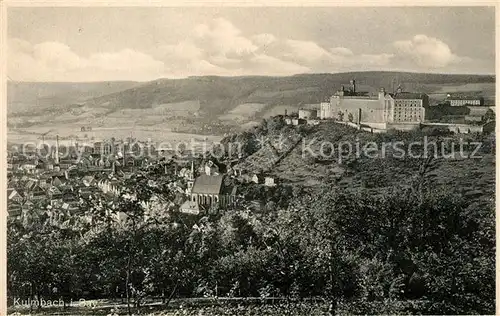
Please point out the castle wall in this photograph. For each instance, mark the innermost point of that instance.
(372, 110)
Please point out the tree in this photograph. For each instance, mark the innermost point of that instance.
(340, 116)
(489, 116)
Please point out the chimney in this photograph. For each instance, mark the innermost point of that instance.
(353, 86)
(192, 169)
(286, 113)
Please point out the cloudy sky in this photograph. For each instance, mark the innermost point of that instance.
(96, 44)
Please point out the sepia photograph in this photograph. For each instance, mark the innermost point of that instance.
(250, 160)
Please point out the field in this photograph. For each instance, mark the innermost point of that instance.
(70, 134)
(243, 112)
(186, 104)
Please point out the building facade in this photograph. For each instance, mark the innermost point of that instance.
(463, 100)
(308, 114)
(359, 108)
(409, 107)
(375, 110)
(209, 190)
(325, 110)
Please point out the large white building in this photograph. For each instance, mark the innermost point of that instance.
(375, 110)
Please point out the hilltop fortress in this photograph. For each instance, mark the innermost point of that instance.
(399, 110)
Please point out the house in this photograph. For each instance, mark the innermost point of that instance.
(236, 171)
(298, 121)
(14, 196)
(88, 180)
(463, 100)
(211, 168)
(44, 184)
(104, 148)
(65, 164)
(109, 186)
(269, 181)
(87, 191)
(257, 178)
(190, 207)
(12, 166)
(85, 162)
(210, 190)
(14, 209)
(49, 165)
(59, 180)
(308, 114)
(473, 118)
(246, 178)
(29, 184)
(187, 173)
(37, 192)
(69, 197)
(28, 166)
(54, 193)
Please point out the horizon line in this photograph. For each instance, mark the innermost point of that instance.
(10, 80)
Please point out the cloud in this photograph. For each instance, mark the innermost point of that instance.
(54, 61)
(263, 39)
(426, 52)
(318, 59)
(220, 48)
(184, 50)
(304, 51)
(221, 37)
(57, 56)
(341, 51)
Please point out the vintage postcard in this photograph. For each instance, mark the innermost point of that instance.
(249, 160)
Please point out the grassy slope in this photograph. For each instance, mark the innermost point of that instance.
(474, 177)
(221, 94)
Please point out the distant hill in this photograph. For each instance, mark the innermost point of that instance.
(221, 94)
(35, 96)
(212, 100)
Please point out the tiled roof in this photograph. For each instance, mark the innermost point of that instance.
(457, 96)
(409, 95)
(207, 184)
(88, 178)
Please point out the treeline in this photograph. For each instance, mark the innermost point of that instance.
(411, 251)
